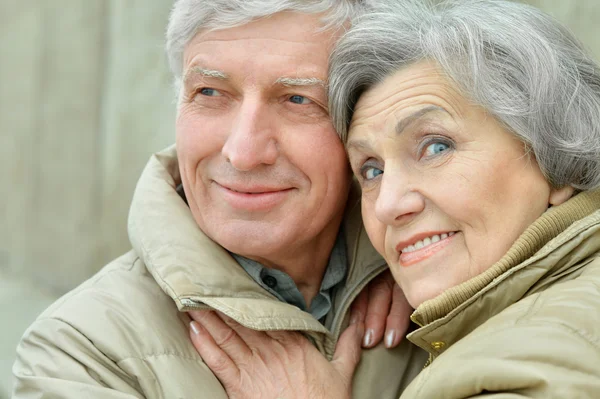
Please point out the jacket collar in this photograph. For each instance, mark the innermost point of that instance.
(193, 269)
(554, 245)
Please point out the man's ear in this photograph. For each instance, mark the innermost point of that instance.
(560, 195)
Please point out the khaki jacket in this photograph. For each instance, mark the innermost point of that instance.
(124, 332)
(529, 327)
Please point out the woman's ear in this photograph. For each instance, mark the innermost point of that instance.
(560, 195)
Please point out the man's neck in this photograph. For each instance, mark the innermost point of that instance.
(306, 265)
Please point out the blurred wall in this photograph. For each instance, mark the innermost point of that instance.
(85, 98)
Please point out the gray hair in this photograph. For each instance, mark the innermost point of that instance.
(527, 70)
(190, 16)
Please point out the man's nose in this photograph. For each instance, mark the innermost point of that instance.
(252, 140)
(398, 201)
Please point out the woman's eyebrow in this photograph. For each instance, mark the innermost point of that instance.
(360, 145)
(415, 116)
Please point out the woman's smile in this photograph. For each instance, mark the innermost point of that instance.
(423, 249)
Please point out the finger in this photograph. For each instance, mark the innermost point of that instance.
(253, 339)
(348, 350)
(224, 336)
(215, 358)
(399, 318)
(380, 298)
(358, 310)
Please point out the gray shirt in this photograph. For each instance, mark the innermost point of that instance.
(283, 287)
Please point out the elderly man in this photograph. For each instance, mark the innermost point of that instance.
(249, 215)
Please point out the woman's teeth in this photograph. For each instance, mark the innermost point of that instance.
(427, 241)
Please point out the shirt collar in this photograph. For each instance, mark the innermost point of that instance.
(281, 285)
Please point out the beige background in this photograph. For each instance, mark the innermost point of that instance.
(85, 98)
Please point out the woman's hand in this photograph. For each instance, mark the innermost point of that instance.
(385, 308)
(271, 365)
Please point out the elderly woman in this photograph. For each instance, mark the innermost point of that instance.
(473, 128)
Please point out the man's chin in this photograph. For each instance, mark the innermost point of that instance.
(260, 250)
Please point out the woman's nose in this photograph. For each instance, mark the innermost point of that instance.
(398, 202)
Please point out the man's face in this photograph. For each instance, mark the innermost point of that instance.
(264, 171)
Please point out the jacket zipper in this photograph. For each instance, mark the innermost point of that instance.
(428, 362)
(430, 358)
(190, 303)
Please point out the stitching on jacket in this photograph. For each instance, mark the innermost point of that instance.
(130, 356)
(132, 380)
(543, 295)
(91, 287)
(279, 316)
(163, 354)
(592, 341)
(530, 311)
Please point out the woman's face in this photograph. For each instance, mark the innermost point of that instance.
(446, 189)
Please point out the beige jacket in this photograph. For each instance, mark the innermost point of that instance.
(124, 332)
(529, 327)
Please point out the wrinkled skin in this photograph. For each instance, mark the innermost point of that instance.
(289, 366)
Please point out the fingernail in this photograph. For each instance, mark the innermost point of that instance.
(390, 338)
(368, 338)
(195, 327)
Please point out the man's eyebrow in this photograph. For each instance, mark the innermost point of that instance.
(290, 82)
(200, 71)
(415, 116)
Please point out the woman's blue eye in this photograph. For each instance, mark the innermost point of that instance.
(210, 92)
(371, 173)
(436, 148)
(296, 99)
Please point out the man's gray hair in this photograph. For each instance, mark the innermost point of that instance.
(523, 67)
(190, 16)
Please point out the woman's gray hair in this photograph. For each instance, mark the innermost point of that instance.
(522, 66)
(190, 16)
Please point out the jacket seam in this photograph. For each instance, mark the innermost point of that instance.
(80, 291)
(164, 354)
(118, 360)
(530, 311)
(594, 342)
(87, 339)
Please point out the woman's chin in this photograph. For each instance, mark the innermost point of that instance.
(416, 296)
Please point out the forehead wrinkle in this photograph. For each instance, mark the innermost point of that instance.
(416, 116)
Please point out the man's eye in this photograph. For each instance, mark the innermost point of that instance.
(435, 149)
(210, 92)
(369, 173)
(296, 99)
